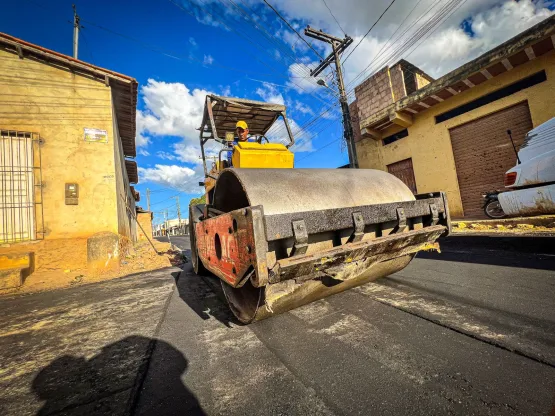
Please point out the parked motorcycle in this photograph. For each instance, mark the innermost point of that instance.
(492, 207)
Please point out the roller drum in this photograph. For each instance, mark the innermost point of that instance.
(281, 191)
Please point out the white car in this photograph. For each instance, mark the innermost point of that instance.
(532, 181)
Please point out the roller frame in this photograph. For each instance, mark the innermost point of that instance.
(244, 247)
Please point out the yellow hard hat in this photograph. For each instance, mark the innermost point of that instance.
(242, 124)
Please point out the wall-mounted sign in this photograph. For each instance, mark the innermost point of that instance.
(96, 135)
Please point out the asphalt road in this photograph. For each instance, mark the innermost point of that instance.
(467, 331)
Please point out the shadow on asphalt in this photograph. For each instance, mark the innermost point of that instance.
(104, 383)
(204, 296)
(508, 259)
(514, 251)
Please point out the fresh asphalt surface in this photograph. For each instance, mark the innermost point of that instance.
(467, 331)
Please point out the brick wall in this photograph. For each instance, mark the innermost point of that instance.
(397, 82)
(145, 220)
(374, 94)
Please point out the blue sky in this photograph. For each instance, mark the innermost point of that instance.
(179, 50)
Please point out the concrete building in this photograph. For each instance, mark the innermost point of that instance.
(451, 134)
(172, 227)
(66, 130)
(144, 220)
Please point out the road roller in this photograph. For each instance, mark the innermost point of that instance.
(279, 237)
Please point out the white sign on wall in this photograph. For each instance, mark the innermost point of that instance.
(96, 135)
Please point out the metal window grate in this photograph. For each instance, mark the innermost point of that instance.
(19, 177)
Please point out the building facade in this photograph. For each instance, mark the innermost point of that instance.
(454, 134)
(67, 129)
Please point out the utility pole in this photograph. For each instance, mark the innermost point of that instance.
(166, 221)
(338, 46)
(178, 213)
(76, 27)
(147, 199)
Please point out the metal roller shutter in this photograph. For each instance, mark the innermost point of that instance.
(483, 153)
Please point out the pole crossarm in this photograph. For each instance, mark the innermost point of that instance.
(338, 47)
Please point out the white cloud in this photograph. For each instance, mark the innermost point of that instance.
(270, 94)
(452, 46)
(226, 91)
(171, 109)
(303, 108)
(140, 139)
(208, 60)
(300, 79)
(165, 155)
(172, 176)
(143, 152)
(303, 139)
(187, 153)
(192, 41)
(447, 47)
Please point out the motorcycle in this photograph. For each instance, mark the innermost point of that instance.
(492, 207)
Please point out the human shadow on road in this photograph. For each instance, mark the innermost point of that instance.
(204, 295)
(109, 382)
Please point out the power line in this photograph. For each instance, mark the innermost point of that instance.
(319, 149)
(369, 30)
(292, 28)
(87, 44)
(214, 16)
(329, 10)
(412, 39)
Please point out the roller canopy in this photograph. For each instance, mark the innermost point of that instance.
(227, 111)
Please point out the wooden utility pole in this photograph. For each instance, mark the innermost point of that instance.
(178, 214)
(76, 27)
(338, 46)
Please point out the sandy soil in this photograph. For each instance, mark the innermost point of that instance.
(139, 258)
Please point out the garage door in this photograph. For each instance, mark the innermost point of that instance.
(404, 171)
(483, 153)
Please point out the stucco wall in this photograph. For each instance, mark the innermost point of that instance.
(145, 219)
(421, 81)
(429, 144)
(126, 223)
(58, 105)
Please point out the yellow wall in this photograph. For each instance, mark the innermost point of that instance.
(429, 144)
(58, 105)
(421, 81)
(126, 223)
(145, 219)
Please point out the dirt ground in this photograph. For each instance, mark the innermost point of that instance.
(473, 227)
(139, 258)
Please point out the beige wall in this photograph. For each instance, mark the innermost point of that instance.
(58, 105)
(145, 219)
(126, 223)
(429, 144)
(421, 81)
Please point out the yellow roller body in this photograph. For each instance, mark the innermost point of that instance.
(262, 155)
